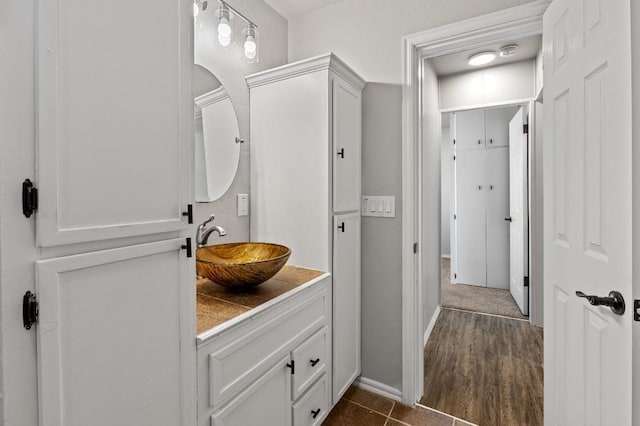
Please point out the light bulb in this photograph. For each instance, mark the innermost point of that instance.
(196, 10)
(224, 28)
(250, 47)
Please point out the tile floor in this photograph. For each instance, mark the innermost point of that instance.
(360, 407)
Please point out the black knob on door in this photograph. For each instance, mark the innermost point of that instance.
(615, 301)
(508, 219)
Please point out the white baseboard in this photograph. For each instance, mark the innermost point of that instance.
(445, 256)
(379, 388)
(432, 324)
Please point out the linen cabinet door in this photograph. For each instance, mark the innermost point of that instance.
(114, 119)
(497, 198)
(497, 125)
(347, 146)
(266, 402)
(110, 337)
(469, 129)
(346, 302)
(470, 211)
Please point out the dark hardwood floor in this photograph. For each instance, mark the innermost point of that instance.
(484, 369)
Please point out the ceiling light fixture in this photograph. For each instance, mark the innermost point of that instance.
(482, 58)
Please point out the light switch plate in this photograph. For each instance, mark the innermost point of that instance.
(243, 204)
(378, 206)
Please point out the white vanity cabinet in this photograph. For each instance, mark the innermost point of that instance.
(306, 124)
(269, 366)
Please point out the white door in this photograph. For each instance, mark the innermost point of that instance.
(470, 218)
(518, 226)
(497, 199)
(114, 119)
(587, 211)
(111, 331)
(346, 302)
(469, 129)
(496, 128)
(347, 146)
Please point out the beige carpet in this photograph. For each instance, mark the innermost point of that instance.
(477, 299)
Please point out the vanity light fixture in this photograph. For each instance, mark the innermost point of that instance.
(482, 58)
(250, 36)
(223, 25)
(224, 30)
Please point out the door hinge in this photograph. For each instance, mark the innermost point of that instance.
(30, 310)
(292, 366)
(455, 217)
(454, 158)
(415, 247)
(455, 276)
(29, 198)
(187, 247)
(526, 281)
(636, 310)
(189, 214)
(525, 128)
(454, 141)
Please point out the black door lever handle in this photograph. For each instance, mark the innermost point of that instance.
(615, 301)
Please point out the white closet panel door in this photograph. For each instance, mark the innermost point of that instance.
(469, 129)
(470, 222)
(497, 125)
(115, 118)
(346, 302)
(497, 211)
(109, 337)
(347, 146)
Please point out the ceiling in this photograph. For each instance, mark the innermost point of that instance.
(528, 48)
(292, 8)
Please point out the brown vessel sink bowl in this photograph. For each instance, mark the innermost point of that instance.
(241, 265)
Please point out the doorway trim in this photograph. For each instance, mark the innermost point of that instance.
(516, 22)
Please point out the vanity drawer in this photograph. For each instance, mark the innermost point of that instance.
(251, 349)
(310, 361)
(312, 408)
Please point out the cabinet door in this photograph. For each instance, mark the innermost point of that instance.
(114, 118)
(347, 146)
(497, 125)
(497, 210)
(470, 217)
(346, 302)
(266, 402)
(469, 129)
(111, 347)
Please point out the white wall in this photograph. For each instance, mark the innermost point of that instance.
(230, 67)
(367, 33)
(446, 153)
(488, 86)
(430, 238)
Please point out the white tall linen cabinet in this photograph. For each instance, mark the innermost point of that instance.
(306, 120)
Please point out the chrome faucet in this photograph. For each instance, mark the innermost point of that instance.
(202, 236)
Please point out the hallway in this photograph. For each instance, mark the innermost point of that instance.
(485, 369)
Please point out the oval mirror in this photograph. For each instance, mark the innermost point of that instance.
(216, 137)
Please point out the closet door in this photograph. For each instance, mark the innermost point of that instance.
(497, 125)
(497, 210)
(115, 118)
(470, 193)
(347, 146)
(469, 129)
(346, 302)
(116, 337)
